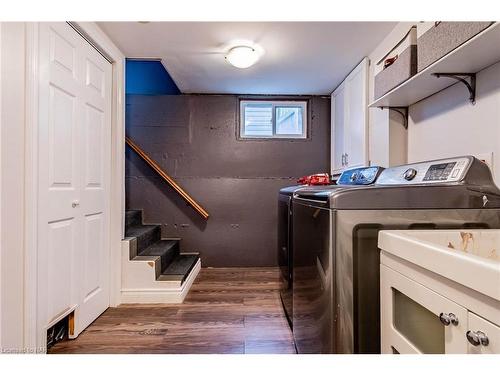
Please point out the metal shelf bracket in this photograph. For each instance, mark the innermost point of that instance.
(460, 77)
(403, 111)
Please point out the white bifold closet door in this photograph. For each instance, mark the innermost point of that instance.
(74, 167)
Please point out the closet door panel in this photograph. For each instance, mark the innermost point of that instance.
(74, 153)
(58, 173)
(96, 171)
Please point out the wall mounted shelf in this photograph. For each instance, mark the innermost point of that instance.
(471, 57)
(403, 111)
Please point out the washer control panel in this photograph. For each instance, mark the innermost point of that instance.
(359, 176)
(438, 171)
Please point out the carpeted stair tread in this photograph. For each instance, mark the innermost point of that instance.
(180, 267)
(139, 230)
(146, 235)
(167, 250)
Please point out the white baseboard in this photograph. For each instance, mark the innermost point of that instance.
(161, 295)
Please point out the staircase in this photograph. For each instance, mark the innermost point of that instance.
(153, 269)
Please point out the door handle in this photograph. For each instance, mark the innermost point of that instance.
(448, 319)
(343, 159)
(477, 338)
(75, 204)
(346, 158)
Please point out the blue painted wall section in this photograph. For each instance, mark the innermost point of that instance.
(148, 77)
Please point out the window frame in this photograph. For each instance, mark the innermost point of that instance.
(304, 103)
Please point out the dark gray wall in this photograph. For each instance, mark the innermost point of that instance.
(194, 139)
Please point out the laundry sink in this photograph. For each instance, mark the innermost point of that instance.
(468, 257)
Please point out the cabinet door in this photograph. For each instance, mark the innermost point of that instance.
(337, 129)
(356, 115)
(479, 331)
(415, 319)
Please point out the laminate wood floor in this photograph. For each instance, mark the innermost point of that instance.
(228, 310)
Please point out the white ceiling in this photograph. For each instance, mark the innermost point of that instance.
(299, 57)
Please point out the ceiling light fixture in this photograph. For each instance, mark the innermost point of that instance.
(242, 56)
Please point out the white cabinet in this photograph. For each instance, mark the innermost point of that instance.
(418, 318)
(483, 336)
(337, 132)
(349, 121)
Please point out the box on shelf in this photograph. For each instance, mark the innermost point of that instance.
(436, 39)
(399, 64)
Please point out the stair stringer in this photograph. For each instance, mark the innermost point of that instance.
(139, 278)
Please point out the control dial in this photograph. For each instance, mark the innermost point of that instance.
(410, 174)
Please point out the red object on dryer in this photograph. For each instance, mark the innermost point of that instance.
(315, 179)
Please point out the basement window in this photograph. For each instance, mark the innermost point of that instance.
(273, 119)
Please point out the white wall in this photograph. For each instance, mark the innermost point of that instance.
(443, 125)
(387, 136)
(12, 78)
(447, 124)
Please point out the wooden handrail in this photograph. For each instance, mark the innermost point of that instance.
(168, 179)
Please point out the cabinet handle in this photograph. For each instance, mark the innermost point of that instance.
(477, 338)
(448, 319)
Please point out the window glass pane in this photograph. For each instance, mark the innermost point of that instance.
(420, 326)
(258, 119)
(289, 120)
